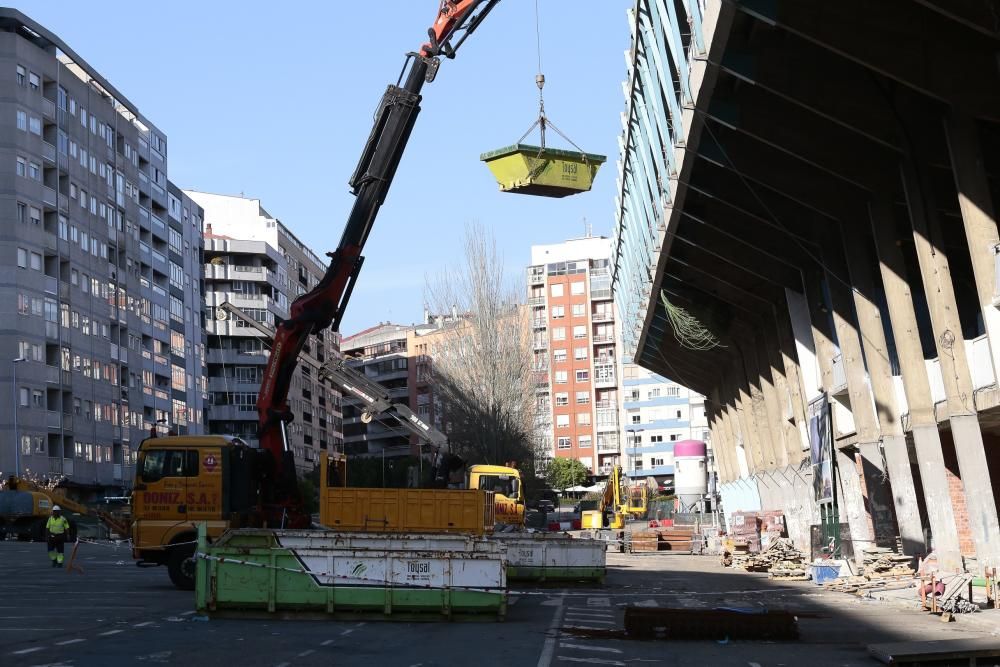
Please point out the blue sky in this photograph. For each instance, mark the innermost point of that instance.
(276, 101)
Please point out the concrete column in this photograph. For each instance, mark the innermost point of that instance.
(762, 424)
(775, 396)
(823, 336)
(903, 491)
(969, 446)
(748, 422)
(767, 405)
(793, 376)
(738, 421)
(926, 438)
(851, 503)
(978, 217)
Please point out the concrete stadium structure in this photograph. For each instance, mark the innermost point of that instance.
(815, 183)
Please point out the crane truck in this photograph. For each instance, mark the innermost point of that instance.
(219, 480)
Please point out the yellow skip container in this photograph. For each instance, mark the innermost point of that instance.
(546, 172)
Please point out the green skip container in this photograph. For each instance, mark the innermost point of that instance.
(545, 172)
(307, 574)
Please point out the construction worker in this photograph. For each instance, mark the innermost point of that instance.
(57, 529)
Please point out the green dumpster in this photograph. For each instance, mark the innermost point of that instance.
(546, 172)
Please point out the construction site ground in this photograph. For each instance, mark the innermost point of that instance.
(116, 613)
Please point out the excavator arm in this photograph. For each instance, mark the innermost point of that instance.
(323, 306)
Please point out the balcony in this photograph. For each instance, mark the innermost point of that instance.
(48, 108)
(49, 153)
(607, 419)
(536, 300)
(600, 294)
(536, 276)
(539, 323)
(607, 448)
(67, 467)
(56, 464)
(540, 344)
(604, 375)
(53, 419)
(603, 339)
(49, 196)
(602, 316)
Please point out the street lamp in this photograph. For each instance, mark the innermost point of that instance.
(13, 391)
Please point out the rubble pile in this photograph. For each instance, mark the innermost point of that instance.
(781, 560)
(881, 563)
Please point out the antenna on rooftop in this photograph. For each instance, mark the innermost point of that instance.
(587, 228)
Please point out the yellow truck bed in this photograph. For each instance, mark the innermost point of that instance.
(407, 510)
(471, 512)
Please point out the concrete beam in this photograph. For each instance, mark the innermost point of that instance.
(905, 58)
(785, 67)
(968, 437)
(979, 219)
(904, 494)
(926, 437)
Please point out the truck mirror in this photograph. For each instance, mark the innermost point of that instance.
(515, 487)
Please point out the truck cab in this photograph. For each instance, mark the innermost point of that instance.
(505, 483)
(181, 481)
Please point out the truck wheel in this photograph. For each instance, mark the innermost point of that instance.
(181, 566)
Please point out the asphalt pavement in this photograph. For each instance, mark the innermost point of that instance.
(114, 613)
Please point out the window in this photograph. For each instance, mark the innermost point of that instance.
(22, 258)
(35, 125)
(558, 312)
(36, 262)
(565, 443)
(579, 310)
(37, 398)
(22, 75)
(561, 377)
(636, 418)
(673, 437)
(656, 438)
(583, 419)
(579, 353)
(579, 331)
(559, 333)
(33, 81)
(556, 290)
(562, 421)
(562, 398)
(22, 120)
(678, 414)
(559, 355)
(577, 288)
(582, 397)
(584, 442)
(22, 167)
(24, 397)
(34, 171)
(583, 376)
(160, 463)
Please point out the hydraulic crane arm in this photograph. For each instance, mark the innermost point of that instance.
(324, 305)
(376, 398)
(378, 402)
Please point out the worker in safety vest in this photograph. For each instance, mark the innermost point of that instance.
(57, 530)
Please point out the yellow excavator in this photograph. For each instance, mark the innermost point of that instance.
(25, 506)
(620, 501)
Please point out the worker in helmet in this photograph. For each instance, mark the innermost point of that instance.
(56, 529)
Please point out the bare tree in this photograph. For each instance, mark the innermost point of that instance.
(482, 360)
